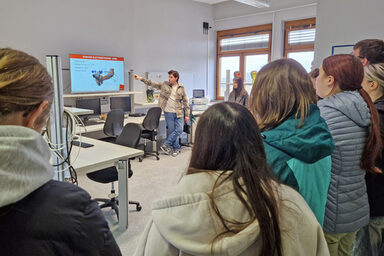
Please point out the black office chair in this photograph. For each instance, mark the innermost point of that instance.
(129, 137)
(114, 124)
(149, 132)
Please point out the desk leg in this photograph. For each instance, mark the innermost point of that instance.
(122, 168)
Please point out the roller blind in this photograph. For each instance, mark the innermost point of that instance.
(245, 43)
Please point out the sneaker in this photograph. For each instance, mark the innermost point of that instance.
(175, 152)
(166, 149)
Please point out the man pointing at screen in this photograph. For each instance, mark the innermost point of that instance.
(173, 101)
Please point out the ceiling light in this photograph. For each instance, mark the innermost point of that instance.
(254, 3)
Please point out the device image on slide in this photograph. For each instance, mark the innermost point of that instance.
(91, 73)
(100, 78)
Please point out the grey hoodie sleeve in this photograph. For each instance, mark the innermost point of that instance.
(153, 243)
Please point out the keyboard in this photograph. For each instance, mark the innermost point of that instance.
(82, 144)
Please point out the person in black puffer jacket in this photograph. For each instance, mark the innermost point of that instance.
(39, 216)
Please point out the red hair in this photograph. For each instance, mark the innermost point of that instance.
(348, 73)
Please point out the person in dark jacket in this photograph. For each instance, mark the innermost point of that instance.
(39, 216)
(353, 122)
(239, 94)
(369, 239)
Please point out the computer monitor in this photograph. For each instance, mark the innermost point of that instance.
(123, 103)
(198, 93)
(92, 74)
(93, 104)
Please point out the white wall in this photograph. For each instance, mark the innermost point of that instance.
(276, 17)
(346, 22)
(152, 35)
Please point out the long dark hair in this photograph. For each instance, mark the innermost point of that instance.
(240, 86)
(348, 73)
(228, 139)
(281, 88)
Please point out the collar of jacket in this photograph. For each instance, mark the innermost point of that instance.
(309, 143)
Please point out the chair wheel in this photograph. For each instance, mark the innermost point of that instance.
(138, 208)
(140, 160)
(157, 158)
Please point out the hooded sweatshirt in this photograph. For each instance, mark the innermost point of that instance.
(348, 119)
(24, 163)
(300, 157)
(185, 223)
(40, 216)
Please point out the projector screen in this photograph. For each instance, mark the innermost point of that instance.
(91, 73)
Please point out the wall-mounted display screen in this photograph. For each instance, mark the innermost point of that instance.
(91, 73)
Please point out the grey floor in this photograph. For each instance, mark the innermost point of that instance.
(151, 179)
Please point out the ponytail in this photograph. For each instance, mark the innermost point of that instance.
(373, 145)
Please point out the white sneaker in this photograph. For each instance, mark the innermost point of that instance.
(166, 149)
(175, 153)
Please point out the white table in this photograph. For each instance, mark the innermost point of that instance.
(103, 155)
(79, 111)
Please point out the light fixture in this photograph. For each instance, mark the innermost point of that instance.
(254, 3)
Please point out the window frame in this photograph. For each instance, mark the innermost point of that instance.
(241, 32)
(298, 25)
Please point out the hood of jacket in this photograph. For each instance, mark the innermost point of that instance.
(24, 163)
(351, 104)
(379, 104)
(186, 218)
(309, 143)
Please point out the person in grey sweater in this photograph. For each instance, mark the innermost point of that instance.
(353, 122)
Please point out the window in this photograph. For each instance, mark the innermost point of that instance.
(300, 41)
(244, 50)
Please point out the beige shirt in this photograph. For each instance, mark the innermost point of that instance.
(171, 103)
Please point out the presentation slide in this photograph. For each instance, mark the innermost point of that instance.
(96, 73)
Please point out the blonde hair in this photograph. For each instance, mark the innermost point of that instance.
(281, 88)
(375, 73)
(24, 83)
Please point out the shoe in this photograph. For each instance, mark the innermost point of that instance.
(175, 153)
(166, 149)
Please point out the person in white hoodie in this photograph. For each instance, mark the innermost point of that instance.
(39, 216)
(229, 203)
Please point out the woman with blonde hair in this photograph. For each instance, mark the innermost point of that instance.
(369, 240)
(229, 203)
(297, 141)
(354, 123)
(39, 216)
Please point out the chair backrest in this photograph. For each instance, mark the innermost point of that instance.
(152, 119)
(130, 136)
(114, 123)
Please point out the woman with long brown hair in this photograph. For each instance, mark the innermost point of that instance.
(228, 203)
(297, 140)
(354, 123)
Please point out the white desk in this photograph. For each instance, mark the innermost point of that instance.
(99, 127)
(103, 155)
(79, 111)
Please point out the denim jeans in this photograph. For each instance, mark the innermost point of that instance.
(369, 239)
(175, 128)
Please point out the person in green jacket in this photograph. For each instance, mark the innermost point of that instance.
(297, 140)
